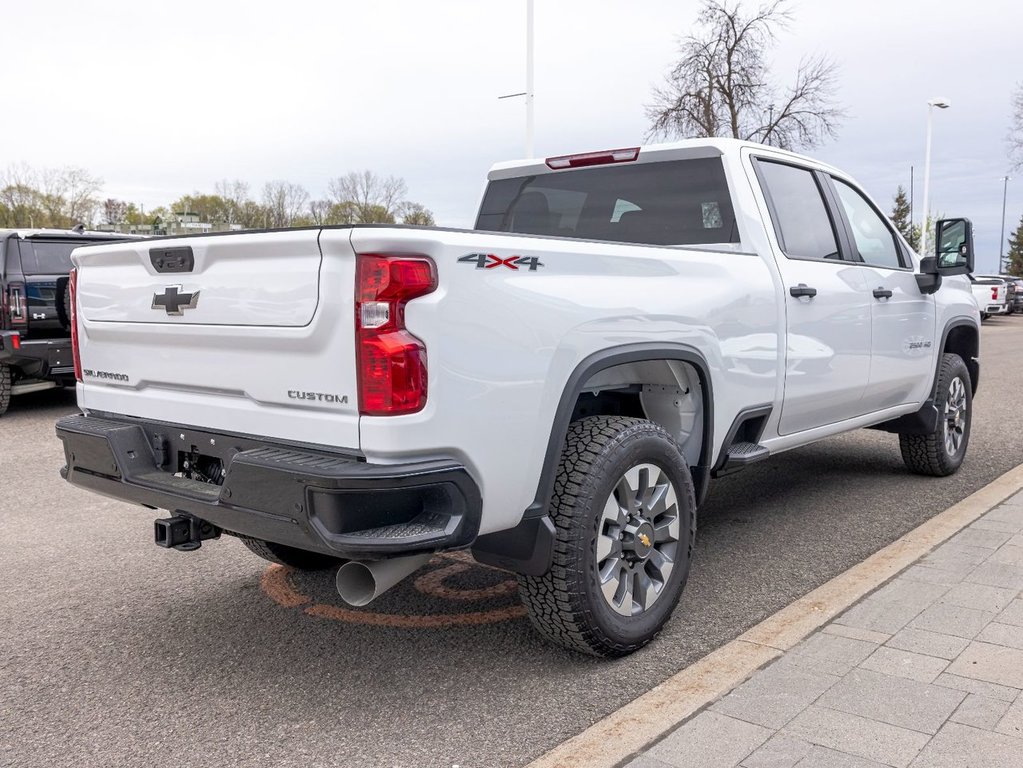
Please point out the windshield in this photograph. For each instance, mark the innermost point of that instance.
(680, 202)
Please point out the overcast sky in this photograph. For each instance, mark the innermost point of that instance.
(163, 99)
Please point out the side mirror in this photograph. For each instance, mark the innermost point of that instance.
(953, 247)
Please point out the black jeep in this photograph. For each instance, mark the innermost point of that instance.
(35, 317)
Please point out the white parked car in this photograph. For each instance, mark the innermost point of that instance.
(554, 389)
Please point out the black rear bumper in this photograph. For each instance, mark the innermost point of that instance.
(320, 502)
(37, 359)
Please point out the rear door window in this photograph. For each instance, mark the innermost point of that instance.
(801, 220)
(677, 202)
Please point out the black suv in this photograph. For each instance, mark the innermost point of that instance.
(35, 321)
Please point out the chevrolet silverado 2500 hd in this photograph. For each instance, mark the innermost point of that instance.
(554, 389)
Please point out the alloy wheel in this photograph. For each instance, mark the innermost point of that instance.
(637, 539)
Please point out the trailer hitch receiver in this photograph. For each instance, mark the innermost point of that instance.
(183, 533)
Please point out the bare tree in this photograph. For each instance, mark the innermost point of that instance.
(20, 197)
(236, 195)
(52, 197)
(319, 211)
(80, 190)
(69, 195)
(283, 202)
(721, 84)
(368, 193)
(114, 211)
(1015, 138)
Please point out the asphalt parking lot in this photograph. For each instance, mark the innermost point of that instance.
(116, 653)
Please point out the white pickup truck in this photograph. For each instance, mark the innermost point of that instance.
(554, 389)
(991, 294)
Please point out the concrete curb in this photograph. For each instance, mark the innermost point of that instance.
(610, 741)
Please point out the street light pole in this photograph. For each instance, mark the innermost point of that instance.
(529, 78)
(1001, 243)
(940, 104)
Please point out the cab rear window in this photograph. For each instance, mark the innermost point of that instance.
(679, 202)
(40, 257)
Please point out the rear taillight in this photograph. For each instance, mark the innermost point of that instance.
(73, 311)
(994, 292)
(17, 304)
(392, 362)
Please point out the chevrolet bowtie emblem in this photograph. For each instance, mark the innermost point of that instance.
(174, 301)
(645, 539)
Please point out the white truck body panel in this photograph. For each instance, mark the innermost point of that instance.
(502, 345)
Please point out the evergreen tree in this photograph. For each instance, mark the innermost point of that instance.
(900, 218)
(1014, 257)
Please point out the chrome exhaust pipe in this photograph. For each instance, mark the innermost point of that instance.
(359, 583)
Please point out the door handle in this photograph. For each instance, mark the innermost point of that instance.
(801, 290)
(882, 293)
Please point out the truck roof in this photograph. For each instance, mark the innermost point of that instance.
(675, 150)
(26, 234)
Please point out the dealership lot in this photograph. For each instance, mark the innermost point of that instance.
(114, 652)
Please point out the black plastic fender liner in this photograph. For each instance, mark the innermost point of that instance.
(972, 361)
(598, 361)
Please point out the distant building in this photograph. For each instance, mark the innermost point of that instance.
(182, 223)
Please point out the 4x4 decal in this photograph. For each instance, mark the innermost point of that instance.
(490, 261)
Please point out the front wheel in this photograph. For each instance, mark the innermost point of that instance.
(624, 509)
(941, 452)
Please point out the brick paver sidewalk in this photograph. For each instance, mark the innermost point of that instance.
(924, 672)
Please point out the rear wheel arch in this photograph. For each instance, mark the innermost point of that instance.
(587, 375)
(528, 547)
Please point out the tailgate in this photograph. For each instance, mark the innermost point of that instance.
(248, 333)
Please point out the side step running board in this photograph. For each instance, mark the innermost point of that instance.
(740, 455)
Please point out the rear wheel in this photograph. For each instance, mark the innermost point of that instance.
(63, 296)
(5, 388)
(941, 452)
(299, 559)
(625, 514)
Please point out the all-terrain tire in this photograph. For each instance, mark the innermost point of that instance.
(941, 452)
(5, 388)
(567, 604)
(63, 296)
(299, 559)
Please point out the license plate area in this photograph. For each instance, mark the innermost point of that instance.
(200, 467)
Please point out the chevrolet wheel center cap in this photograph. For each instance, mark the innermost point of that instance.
(644, 539)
